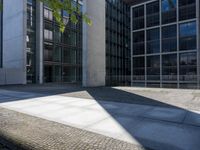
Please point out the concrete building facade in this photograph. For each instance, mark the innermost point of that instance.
(33, 50)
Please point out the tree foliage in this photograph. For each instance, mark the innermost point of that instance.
(73, 11)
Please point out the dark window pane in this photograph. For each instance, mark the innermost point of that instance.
(169, 38)
(153, 67)
(169, 67)
(152, 14)
(138, 43)
(187, 9)
(188, 66)
(168, 11)
(138, 17)
(138, 68)
(153, 41)
(187, 36)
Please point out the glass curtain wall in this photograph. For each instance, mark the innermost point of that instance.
(31, 41)
(117, 43)
(62, 51)
(164, 50)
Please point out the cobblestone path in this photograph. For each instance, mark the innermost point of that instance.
(24, 132)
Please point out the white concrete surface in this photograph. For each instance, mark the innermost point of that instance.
(155, 127)
(14, 42)
(94, 44)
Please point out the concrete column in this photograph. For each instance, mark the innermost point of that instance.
(94, 44)
(14, 41)
(39, 42)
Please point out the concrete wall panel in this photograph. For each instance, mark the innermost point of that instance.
(14, 40)
(94, 54)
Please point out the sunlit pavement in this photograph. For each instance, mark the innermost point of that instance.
(171, 127)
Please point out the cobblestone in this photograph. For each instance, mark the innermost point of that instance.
(22, 131)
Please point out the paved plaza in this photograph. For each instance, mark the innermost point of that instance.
(167, 119)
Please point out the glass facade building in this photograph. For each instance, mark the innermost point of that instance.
(117, 43)
(31, 42)
(165, 43)
(62, 51)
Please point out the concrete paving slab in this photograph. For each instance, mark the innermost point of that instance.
(112, 127)
(193, 118)
(123, 109)
(156, 127)
(167, 136)
(166, 114)
(19, 94)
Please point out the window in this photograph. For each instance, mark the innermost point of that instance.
(69, 56)
(153, 41)
(65, 17)
(48, 35)
(31, 42)
(69, 74)
(138, 68)
(138, 43)
(48, 14)
(188, 66)
(187, 9)
(187, 36)
(152, 14)
(169, 38)
(57, 54)
(48, 73)
(153, 67)
(169, 67)
(57, 35)
(168, 11)
(62, 51)
(138, 17)
(48, 52)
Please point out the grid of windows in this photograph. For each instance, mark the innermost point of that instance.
(164, 50)
(117, 43)
(62, 51)
(31, 41)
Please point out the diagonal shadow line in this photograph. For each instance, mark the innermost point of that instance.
(104, 94)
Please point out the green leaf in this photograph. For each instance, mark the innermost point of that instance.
(57, 6)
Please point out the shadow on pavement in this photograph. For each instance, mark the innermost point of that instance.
(163, 127)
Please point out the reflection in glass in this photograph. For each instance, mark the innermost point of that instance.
(138, 43)
(153, 41)
(138, 68)
(187, 36)
(169, 38)
(153, 67)
(188, 66)
(138, 17)
(152, 14)
(187, 9)
(169, 67)
(168, 11)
